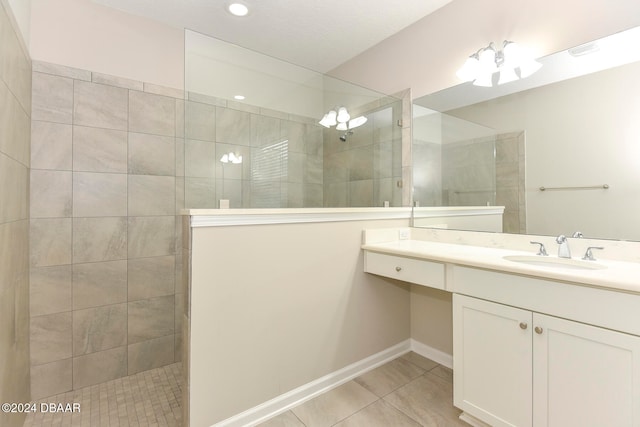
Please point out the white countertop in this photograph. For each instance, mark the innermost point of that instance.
(619, 275)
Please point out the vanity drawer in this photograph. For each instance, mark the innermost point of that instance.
(418, 271)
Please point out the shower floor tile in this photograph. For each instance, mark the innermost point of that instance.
(150, 398)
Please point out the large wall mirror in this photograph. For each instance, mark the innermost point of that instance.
(559, 149)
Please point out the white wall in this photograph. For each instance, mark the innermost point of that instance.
(21, 10)
(82, 34)
(426, 55)
(579, 132)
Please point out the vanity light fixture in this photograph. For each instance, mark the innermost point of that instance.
(512, 62)
(341, 119)
(238, 9)
(239, 97)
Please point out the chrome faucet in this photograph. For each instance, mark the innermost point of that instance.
(563, 249)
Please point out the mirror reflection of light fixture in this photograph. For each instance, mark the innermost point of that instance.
(341, 119)
(481, 65)
(231, 158)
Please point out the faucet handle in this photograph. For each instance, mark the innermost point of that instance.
(588, 255)
(541, 251)
(561, 239)
(578, 234)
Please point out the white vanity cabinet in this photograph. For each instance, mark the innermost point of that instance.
(515, 367)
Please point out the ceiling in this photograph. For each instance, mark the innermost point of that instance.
(317, 34)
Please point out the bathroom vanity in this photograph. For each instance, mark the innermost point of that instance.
(540, 341)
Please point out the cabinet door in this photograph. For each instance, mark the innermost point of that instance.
(584, 375)
(492, 361)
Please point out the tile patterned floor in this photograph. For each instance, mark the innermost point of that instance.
(150, 398)
(408, 391)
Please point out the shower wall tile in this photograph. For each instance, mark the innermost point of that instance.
(14, 127)
(313, 170)
(163, 90)
(116, 81)
(151, 318)
(199, 193)
(50, 145)
(233, 126)
(99, 105)
(151, 277)
(99, 328)
(14, 188)
(50, 290)
(361, 164)
(99, 283)
(99, 239)
(61, 70)
(295, 195)
(50, 338)
(96, 368)
(151, 195)
(50, 242)
(149, 113)
(241, 106)
(264, 130)
(199, 159)
(99, 194)
(180, 118)
(296, 162)
(295, 132)
(361, 193)
(231, 170)
(179, 156)
(335, 194)
(151, 354)
(313, 194)
(151, 236)
(52, 378)
(200, 121)
(52, 98)
(99, 150)
(152, 154)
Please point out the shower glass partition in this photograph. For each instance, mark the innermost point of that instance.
(252, 137)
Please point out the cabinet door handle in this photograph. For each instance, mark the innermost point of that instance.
(538, 330)
(523, 325)
(398, 268)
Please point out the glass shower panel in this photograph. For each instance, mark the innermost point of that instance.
(252, 134)
(454, 161)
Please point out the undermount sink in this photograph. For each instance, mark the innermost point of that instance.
(564, 263)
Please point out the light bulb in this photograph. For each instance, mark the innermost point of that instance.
(238, 9)
(512, 54)
(470, 69)
(358, 121)
(331, 120)
(325, 121)
(224, 158)
(343, 115)
(484, 80)
(528, 67)
(487, 60)
(507, 75)
(342, 126)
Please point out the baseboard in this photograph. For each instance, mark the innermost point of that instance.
(284, 402)
(434, 354)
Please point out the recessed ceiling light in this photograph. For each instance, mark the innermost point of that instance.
(239, 97)
(238, 9)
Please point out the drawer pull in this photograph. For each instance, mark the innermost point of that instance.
(523, 325)
(538, 330)
(398, 268)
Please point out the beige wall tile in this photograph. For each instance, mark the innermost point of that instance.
(99, 239)
(99, 150)
(151, 236)
(99, 194)
(99, 105)
(52, 98)
(232, 126)
(151, 354)
(50, 290)
(50, 195)
(151, 154)
(51, 379)
(96, 368)
(50, 242)
(151, 277)
(151, 318)
(99, 328)
(163, 90)
(116, 81)
(14, 189)
(180, 108)
(151, 195)
(150, 113)
(200, 159)
(14, 126)
(61, 70)
(51, 145)
(200, 121)
(99, 283)
(50, 338)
